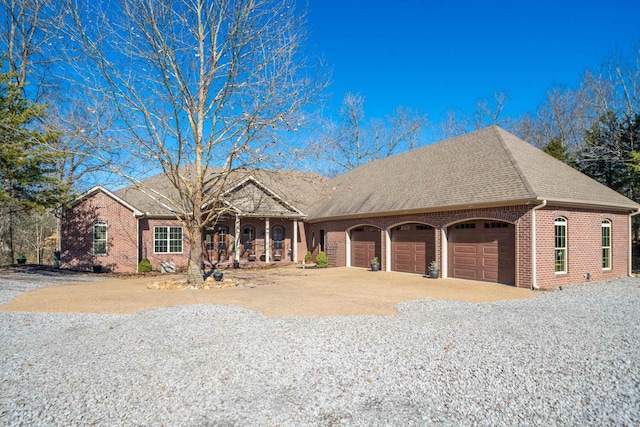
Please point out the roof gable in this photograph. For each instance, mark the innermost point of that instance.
(250, 197)
(100, 189)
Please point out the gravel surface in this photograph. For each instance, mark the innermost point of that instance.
(569, 357)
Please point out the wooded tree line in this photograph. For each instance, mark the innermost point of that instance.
(183, 86)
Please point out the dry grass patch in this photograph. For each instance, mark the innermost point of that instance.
(176, 285)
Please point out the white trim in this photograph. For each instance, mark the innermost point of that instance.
(98, 188)
(387, 249)
(137, 244)
(606, 223)
(106, 238)
(444, 252)
(168, 227)
(348, 247)
(563, 223)
(267, 241)
(295, 240)
(236, 245)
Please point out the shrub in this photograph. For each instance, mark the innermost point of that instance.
(144, 266)
(321, 260)
(308, 257)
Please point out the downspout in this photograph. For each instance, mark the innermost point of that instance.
(534, 275)
(631, 241)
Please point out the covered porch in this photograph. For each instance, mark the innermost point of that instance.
(251, 240)
(260, 227)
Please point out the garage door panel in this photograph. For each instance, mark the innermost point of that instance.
(403, 257)
(465, 249)
(490, 262)
(464, 273)
(465, 261)
(490, 250)
(486, 247)
(410, 246)
(365, 245)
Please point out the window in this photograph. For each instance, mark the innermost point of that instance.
(167, 240)
(606, 244)
(222, 238)
(561, 244)
(100, 238)
(467, 226)
(278, 236)
(496, 225)
(248, 234)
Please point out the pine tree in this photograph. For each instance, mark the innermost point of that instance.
(28, 178)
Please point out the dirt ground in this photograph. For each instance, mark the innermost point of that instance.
(281, 292)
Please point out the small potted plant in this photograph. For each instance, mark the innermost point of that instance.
(375, 264)
(22, 259)
(217, 274)
(434, 271)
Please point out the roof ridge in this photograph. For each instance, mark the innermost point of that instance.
(513, 161)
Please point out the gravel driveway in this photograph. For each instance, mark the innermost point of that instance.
(569, 357)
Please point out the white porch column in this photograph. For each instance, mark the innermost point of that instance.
(267, 242)
(295, 241)
(237, 240)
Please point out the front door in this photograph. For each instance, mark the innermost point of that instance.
(277, 244)
(221, 242)
(248, 243)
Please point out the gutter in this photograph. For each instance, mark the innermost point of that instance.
(631, 215)
(534, 275)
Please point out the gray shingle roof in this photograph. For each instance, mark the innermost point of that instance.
(297, 189)
(487, 167)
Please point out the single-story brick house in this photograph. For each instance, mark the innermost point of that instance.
(117, 229)
(484, 206)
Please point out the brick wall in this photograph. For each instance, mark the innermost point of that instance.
(335, 230)
(584, 245)
(583, 234)
(76, 238)
(147, 231)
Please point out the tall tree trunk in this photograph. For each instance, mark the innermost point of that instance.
(194, 268)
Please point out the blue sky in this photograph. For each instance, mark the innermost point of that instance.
(439, 56)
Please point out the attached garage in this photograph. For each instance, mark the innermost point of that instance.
(412, 248)
(365, 245)
(482, 250)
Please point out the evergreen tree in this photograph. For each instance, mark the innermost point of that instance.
(27, 166)
(607, 155)
(28, 178)
(557, 149)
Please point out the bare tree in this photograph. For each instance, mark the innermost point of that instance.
(353, 141)
(201, 89)
(615, 85)
(488, 112)
(453, 125)
(562, 117)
